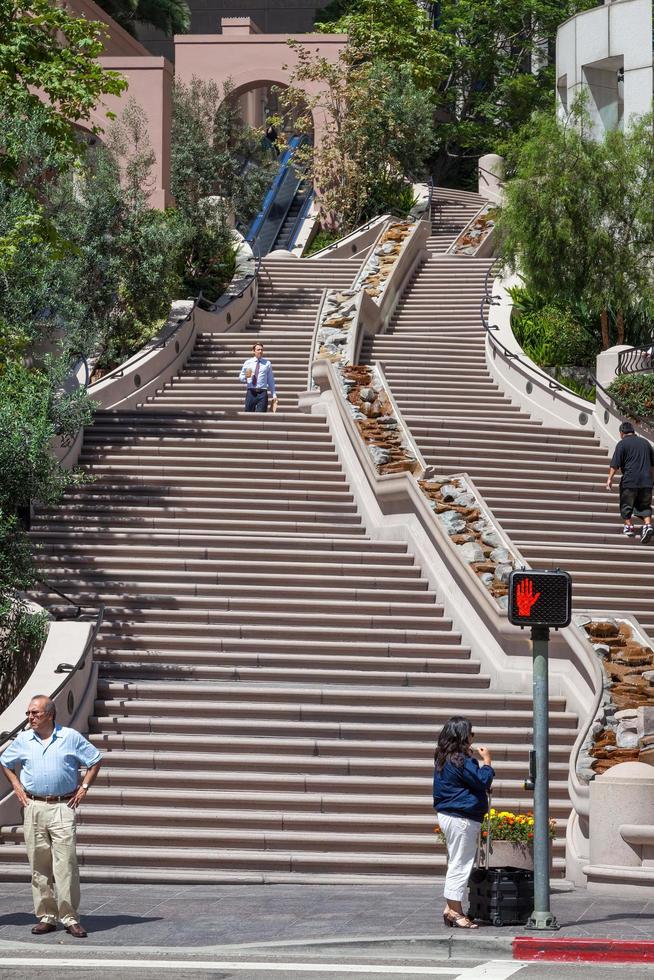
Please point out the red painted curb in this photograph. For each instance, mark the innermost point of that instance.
(584, 950)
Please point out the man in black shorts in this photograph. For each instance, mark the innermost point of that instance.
(634, 456)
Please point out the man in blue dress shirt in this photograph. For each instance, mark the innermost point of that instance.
(49, 789)
(257, 374)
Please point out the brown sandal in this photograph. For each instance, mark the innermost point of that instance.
(454, 920)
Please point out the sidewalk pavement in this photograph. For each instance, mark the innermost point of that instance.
(125, 916)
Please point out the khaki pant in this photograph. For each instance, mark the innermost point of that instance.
(50, 838)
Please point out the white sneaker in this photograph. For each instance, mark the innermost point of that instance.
(628, 530)
(646, 533)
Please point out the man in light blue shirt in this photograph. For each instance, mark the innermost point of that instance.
(49, 789)
(257, 374)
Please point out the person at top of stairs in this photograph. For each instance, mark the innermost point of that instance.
(634, 456)
(257, 374)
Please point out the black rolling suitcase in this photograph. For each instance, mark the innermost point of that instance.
(501, 896)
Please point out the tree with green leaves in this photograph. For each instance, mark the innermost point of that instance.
(578, 222)
(488, 63)
(214, 153)
(379, 134)
(48, 71)
(169, 16)
(398, 33)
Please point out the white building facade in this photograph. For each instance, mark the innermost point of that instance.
(607, 53)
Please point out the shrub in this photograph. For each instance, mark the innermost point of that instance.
(552, 336)
(634, 394)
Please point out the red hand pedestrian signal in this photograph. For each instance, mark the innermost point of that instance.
(525, 598)
(540, 598)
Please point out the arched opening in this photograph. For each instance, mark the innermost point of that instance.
(260, 100)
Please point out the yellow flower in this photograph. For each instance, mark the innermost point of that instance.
(492, 813)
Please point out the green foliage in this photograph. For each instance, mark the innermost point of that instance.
(550, 334)
(22, 632)
(397, 33)
(33, 410)
(210, 256)
(634, 394)
(170, 16)
(43, 48)
(214, 154)
(322, 240)
(22, 635)
(488, 64)
(379, 132)
(111, 288)
(579, 221)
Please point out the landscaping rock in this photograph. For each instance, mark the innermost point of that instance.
(465, 499)
(367, 394)
(500, 555)
(470, 552)
(491, 538)
(453, 522)
(502, 573)
(626, 739)
(379, 456)
(487, 578)
(450, 492)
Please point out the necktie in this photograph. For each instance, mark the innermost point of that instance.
(255, 375)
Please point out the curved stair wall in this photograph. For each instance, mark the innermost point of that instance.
(519, 378)
(65, 672)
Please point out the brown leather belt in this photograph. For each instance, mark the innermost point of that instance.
(50, 799)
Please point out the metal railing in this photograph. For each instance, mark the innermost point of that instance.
(636, 360)
(233, 293)
(496, 344)
(118, 372)
(627, 413)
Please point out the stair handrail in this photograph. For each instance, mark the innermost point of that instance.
(626, 413)
(627, 360)
(119, 371)
(496, 344)
(314, 336)
(66, 669)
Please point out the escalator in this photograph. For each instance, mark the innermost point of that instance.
(284, 206)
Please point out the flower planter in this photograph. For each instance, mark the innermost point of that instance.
(507, 854)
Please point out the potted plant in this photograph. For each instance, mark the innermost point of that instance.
(511, 839)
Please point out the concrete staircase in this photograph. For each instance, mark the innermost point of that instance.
(451, 210)
(545, 484)
(271, 679)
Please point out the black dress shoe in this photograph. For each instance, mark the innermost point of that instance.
(77, 930)
(41, 928)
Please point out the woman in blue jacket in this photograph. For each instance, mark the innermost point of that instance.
(461, 789)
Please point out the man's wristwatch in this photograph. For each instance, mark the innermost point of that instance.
(85, 785)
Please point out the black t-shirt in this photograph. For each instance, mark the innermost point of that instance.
(635, 457)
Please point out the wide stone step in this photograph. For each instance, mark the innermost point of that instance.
(405, 737)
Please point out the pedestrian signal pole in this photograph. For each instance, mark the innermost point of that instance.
(540, 600)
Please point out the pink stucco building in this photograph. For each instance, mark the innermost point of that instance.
(241, 53)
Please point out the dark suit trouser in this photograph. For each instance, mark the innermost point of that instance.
(256, 400)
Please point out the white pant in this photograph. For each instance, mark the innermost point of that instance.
(461, 837)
